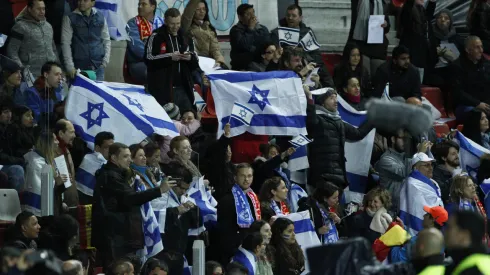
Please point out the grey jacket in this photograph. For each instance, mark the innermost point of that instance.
(393, 168)
(31, 43)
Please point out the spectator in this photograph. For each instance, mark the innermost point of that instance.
(64, 239)
(196, 24)
(476, 128)
(154, 266)
(416, 32)
(85, 40)
(271, 163)
(246, 37)
(265, 261)
(441, 56)
(350, 66)
(252, 248)
(12, 78)
(31, 40)
(116, 214)
(139, 29)
(329, 132)
(373, 55)
(24, 132)
(351, 91)
(180, 156)
(273, 198)
(374, 220)
(483, 174)
(95, 160)
(36, 159)
(471, 79)
(152, 151)
(139, 166)
(171, 59)
(402, 77)
(65, 134)
(213, 268)
(26, 231)
(121, 267)
(237, 211)
(46, 92)
(289, 258)
(235, 268)
(447, 157)
(322, 204)
(428, 253)
(267, 54)
(463, 236)
(73, 267)
(477, 22)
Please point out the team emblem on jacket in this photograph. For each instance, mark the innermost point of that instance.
(163, 47)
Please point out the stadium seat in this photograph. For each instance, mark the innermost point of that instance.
(434, 95)
(442, 129)
(331, 60)
(208, 115)
(9, 205)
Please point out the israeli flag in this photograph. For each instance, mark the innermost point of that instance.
(299, 159)
(151, 229)
(3, 39)
(485, 187)
(469, 154)
(85, 175)
(309, 43)
(357, 154)
(296, 193)
(198, 195)
(277, 99)
(299, 141)
(112, 11)
(242, 113)
(199, 102)
(417, 191)
(187, 267)
(247, 259)
(288, 36)
(130, 114)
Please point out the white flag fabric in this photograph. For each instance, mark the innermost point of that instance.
(277, 99)
(357, 154)
(309, 42)
(417, 191)
(295, 195)
(247, 259)
(85, 175)
(242, 113)
(288, 36)
(112, 11)
(199, 102)
(469, 154)
(125, 110)
(299, 159)
(300, 140)
(208, 213)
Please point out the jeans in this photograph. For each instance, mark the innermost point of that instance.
(15, 175)
(138, 71)
(99, 73)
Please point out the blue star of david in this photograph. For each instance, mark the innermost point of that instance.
(300, 141)
(263, 93)
(288, 35)
(471, 171)
(134, 103)
(309, 43)
(88, 114)
(243, 113)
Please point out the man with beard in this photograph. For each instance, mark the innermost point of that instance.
(403, 78)
(447, 157)
(393, 166)
(65, 133)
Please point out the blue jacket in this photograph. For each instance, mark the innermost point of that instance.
(136, 46)
(39, 105)
(16, 93)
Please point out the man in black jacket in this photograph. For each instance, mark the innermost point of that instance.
(170, 59)
(447, 157)
(403, 77)
(116, 217)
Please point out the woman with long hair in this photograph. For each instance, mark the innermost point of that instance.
(139, 166)
(265, 261)
(476, 128)
(352, 93)
(273, 198)
(352, 66)
(23, 130)
(288, 255)
(152, 153)
(478, 21)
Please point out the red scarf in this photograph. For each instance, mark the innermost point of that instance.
(144, 27)
(481, 211)
(256, 204)
(284, 208)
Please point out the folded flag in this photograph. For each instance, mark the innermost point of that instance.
(199, 102)
(112, 11)
(129, 113)
(309, 42)
(247, 259)
(198, 195)
(299, 159)
(469, 154)
(85, 175)
(295, 194)
(395, 235)
(288, 36)
(417, 191)
(300, 140)
(242, 113)
(277, 99)
(357, 154)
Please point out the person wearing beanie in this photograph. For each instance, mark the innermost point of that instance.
(329, 133)
(403, 78)
(11, 79)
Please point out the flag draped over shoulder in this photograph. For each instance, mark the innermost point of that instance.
(208, 213)
(288, 36)
(112, 11)
(276, 98)
(125, 110)
(357, 154)
(417, 191)
(469, 154)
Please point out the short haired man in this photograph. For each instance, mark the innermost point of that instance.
(85, 40)
(85, 175)
(12, 78)
(65, 134)
(403, 77)
(72, 267)
(121, 267)
(31, 40)
(447, 157)
(170, 58)
(246, 37)
(26, 231)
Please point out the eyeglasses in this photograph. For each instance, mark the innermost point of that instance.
(269, 52)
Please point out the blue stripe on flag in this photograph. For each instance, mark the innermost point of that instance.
(128, 89)
(269, 120)
(244, 107)
(85, 178)
(32, 199)
(120, 107)
(303, 226)
(160, 123)
(413, 221)
(80, 132)
(464, 144)
(351, 118)
(357, 183)
(246, 77)
(418, 176)
(106, 6)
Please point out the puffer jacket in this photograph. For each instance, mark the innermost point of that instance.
(326, 154)
(31, 43)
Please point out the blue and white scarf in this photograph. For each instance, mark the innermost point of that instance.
(242, 207)
(247, 259)
(466, 205)
(332, 236)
